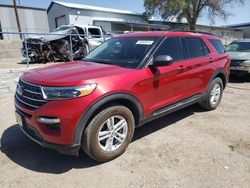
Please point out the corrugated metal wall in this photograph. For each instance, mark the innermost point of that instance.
(31, 20)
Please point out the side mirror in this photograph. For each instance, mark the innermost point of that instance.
(162, 60)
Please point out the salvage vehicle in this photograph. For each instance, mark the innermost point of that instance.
(129, 80)
(239, 51)
(56, 46)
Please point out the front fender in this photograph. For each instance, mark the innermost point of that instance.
(99, 103)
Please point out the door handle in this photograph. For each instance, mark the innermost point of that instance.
(211, 60)
(181, 68)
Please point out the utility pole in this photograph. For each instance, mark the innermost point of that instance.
(17, 19)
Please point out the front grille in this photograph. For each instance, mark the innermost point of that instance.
(32, 44)
(29, 95)
(235, 63)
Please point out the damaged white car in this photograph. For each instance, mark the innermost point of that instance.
(239, 51)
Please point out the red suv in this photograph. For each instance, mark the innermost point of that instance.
(131, 79)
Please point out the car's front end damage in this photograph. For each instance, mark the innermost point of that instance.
(240, 63)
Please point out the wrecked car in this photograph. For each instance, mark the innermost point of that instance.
(239, 51)
(56, 46)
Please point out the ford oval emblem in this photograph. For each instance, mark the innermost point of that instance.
(20, 90)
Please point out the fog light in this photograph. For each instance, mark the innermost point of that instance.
(50, 123)
(48, 120)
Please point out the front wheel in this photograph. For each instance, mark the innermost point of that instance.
(213, 96)
(109, 133)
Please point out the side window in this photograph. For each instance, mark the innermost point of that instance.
(171, 47)
(205, 49)
(217, 44)
(80, 31)
(195, 48)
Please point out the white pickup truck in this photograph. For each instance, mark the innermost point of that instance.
(93, 34)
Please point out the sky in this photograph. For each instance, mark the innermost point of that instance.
(240, 13)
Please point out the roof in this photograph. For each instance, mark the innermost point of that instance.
(166, 34)
(90, 7)
(134, 23)
(22, 7)
(239, 25)
(243, 40)
(199, 25)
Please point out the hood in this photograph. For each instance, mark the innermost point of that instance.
(56, 35)
(71, 74)
(239, 55)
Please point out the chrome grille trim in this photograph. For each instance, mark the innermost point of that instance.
(34, 99)
(30, 83)
(26, 103)
(33, 92)
(32, 96)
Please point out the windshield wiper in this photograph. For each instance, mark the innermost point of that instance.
(98, 61)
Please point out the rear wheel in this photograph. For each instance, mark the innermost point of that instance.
(109, 133)
(213, 95)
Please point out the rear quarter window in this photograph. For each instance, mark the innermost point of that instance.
(217, 44)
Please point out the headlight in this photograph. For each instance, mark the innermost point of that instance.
(245, 63)
(61, 93)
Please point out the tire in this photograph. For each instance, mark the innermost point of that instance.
(216, 86)
(101, 128)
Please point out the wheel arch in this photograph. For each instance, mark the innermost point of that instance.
(124, 99)
(220, 73)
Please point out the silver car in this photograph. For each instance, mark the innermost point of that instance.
(239, 51)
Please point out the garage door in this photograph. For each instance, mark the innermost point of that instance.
(60, 21)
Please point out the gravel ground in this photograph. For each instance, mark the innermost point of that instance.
(10, 71)
(17, 63)
(188, 148)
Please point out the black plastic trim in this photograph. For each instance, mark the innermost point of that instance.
(216, 73)
(171, 108)
(68, 150)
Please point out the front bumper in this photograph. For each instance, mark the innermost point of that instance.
(240, 69)
(68, 111)
(34, 135)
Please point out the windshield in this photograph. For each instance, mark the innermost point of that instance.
(238, 47)
(124, 51)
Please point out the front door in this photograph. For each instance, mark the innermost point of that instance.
(168, 83)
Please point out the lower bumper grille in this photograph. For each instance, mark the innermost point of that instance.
(235, 63)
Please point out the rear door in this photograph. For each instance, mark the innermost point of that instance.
(199, 65)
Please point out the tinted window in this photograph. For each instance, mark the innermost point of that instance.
(171, 47)
(217, 44)
(205, 49)
(195, 48)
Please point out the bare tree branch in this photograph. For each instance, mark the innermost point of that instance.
(191, 10)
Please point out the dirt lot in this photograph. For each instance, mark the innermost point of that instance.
(16, 63)
(189, 148)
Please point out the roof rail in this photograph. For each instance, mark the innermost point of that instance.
(192, 31)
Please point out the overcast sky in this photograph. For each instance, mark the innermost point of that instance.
(240, 14)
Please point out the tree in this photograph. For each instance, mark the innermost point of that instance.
(190, 10)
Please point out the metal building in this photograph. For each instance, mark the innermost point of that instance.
(243, 26)
(111, 20)
(31, 20)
